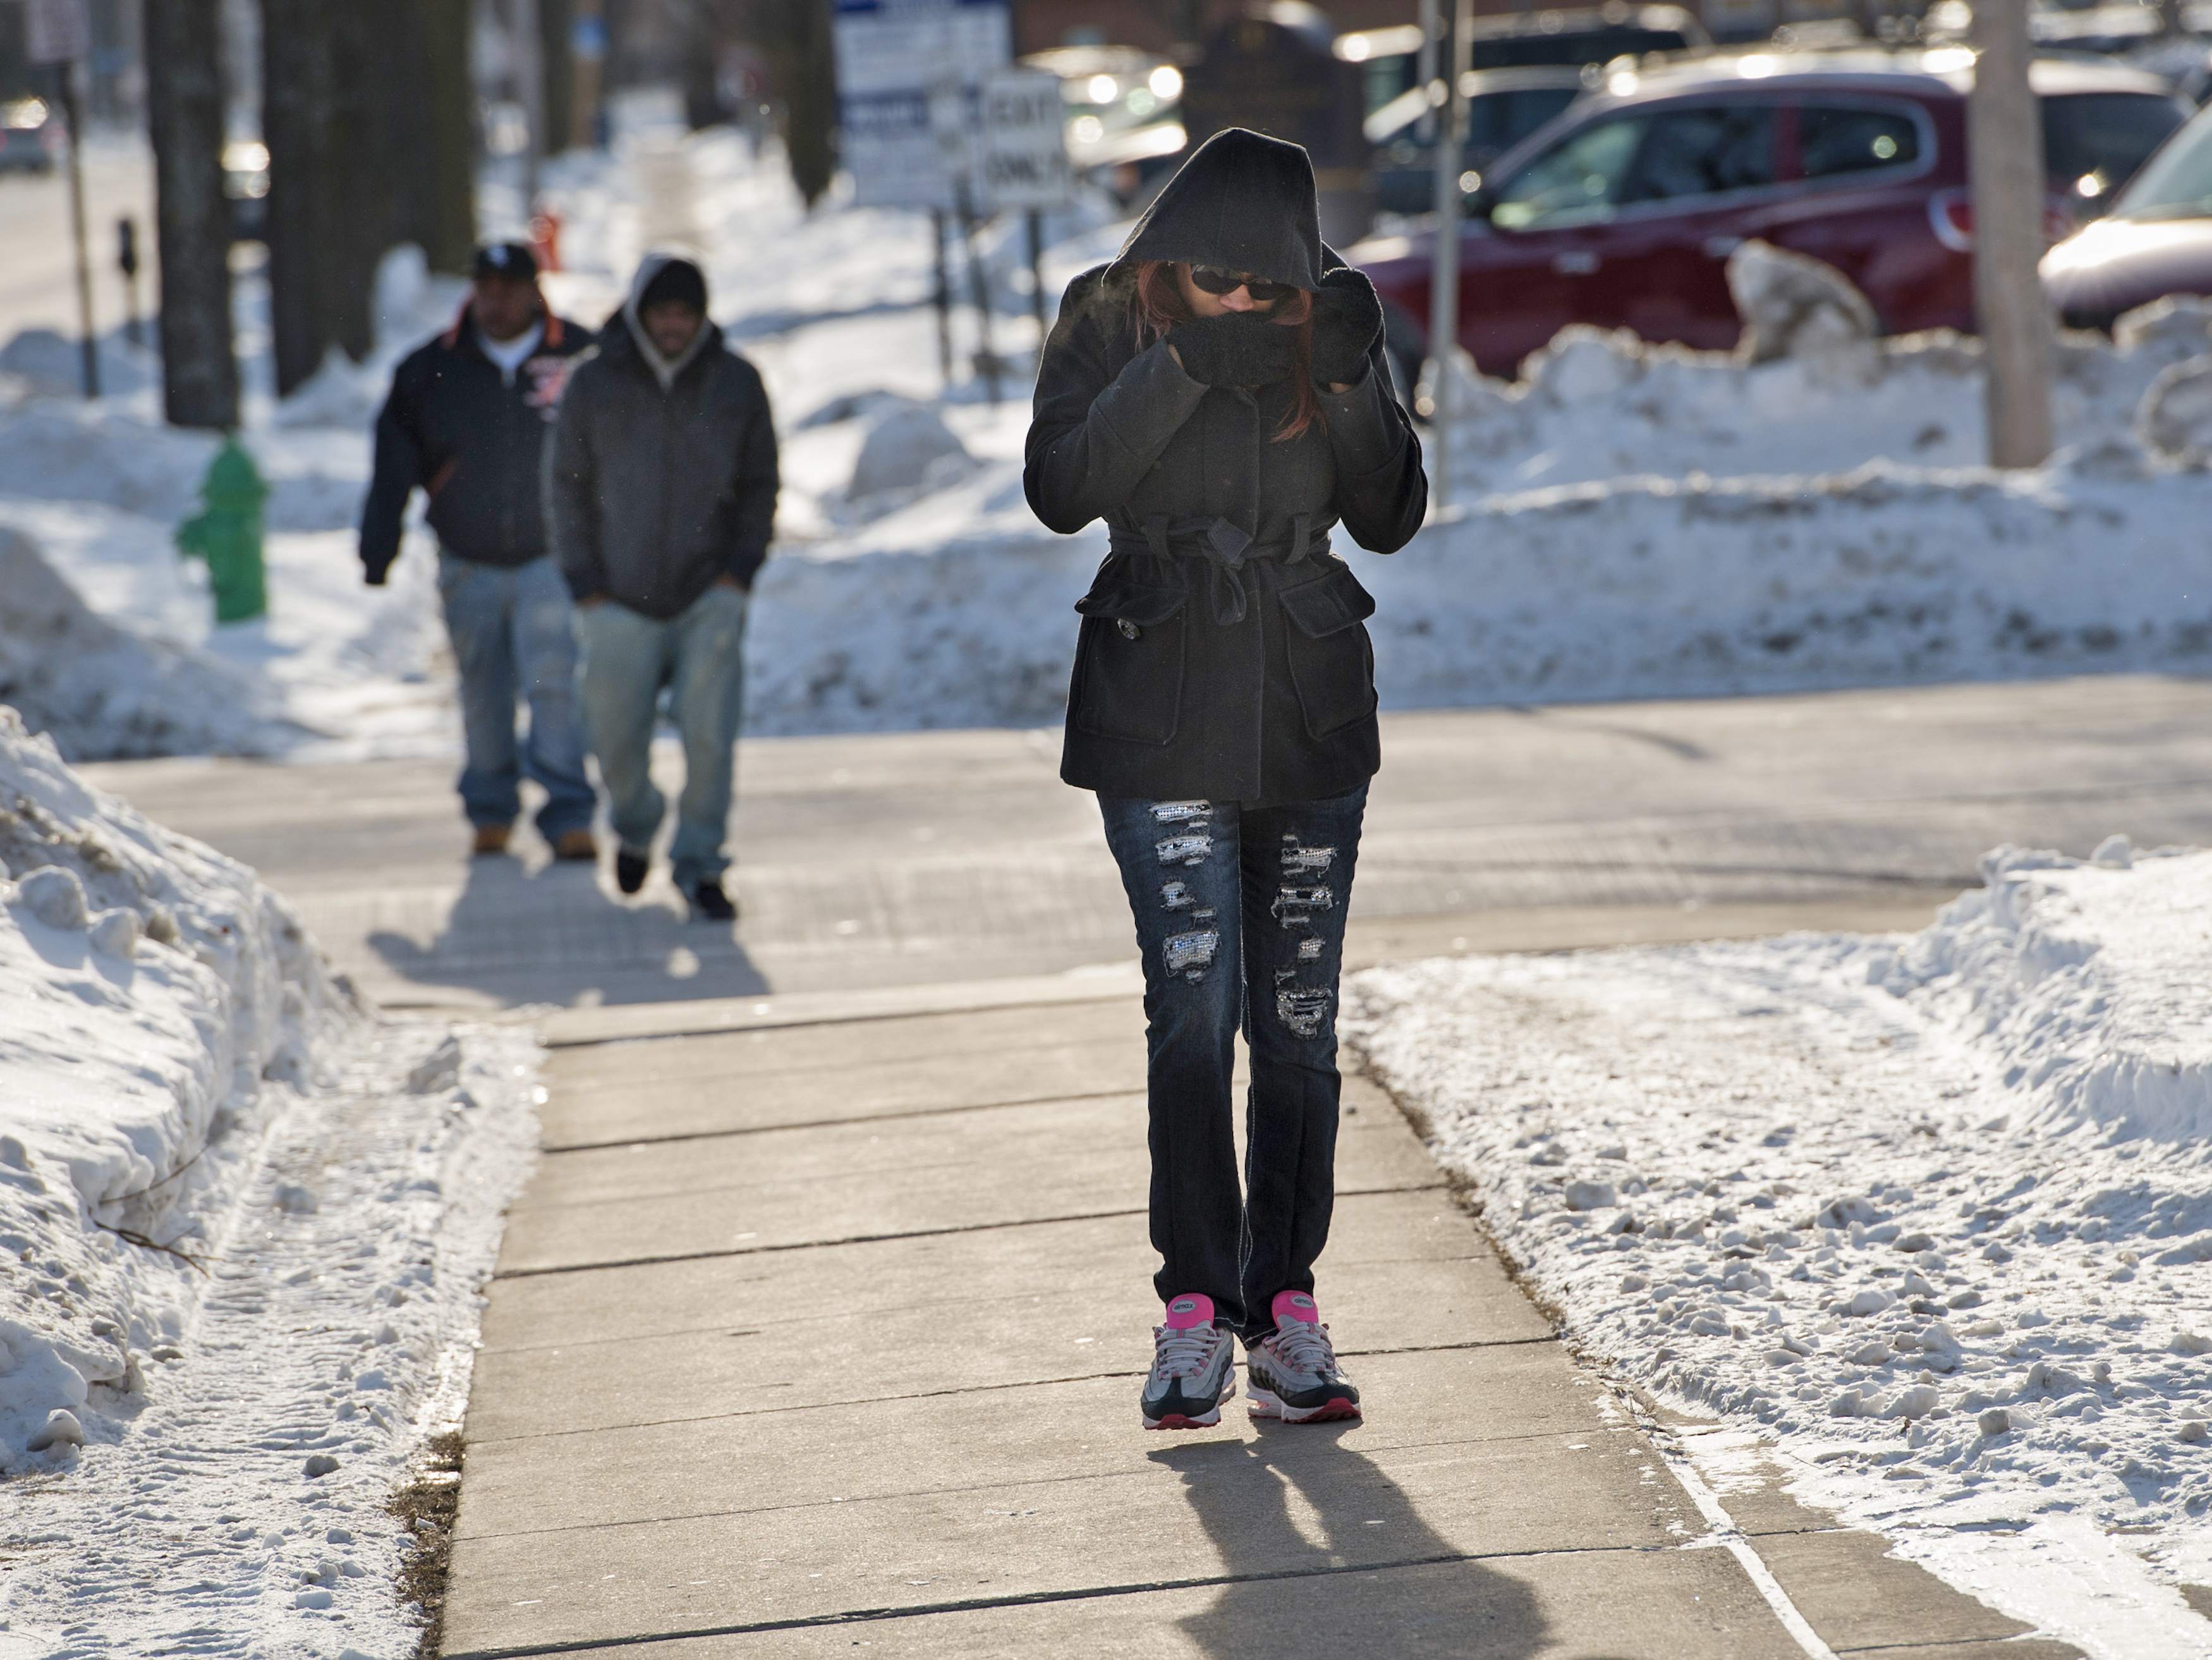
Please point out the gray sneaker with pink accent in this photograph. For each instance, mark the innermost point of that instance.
(1193, 1367)
(1293, 1372)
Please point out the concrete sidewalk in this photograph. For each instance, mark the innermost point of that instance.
(819, 1335)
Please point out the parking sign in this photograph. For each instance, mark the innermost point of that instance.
(56, 31)
(1022, 148)
(891, 56)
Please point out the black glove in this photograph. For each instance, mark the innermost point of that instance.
(1236, 349)
(375, 574)
(1347, 322)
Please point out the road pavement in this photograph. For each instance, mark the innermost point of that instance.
(914, 858)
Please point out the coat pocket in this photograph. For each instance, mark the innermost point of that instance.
(1332, 659)
(1129, 661)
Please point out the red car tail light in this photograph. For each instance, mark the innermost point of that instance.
(1951, 215)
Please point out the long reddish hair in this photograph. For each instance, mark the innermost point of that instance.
(1159, 305)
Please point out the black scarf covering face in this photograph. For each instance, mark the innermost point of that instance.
(1236, 349)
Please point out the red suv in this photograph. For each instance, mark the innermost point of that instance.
(1623, 211)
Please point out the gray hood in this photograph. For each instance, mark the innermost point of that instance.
(664, 369)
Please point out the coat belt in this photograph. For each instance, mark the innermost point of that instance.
(1222, 546)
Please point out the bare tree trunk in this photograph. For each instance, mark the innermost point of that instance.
(295, 103)
(793, 36)
(700, 71)
(450, 232)
(557, 58)
(330, 206)
(360, 202)
(2005, 166)
(184, 115)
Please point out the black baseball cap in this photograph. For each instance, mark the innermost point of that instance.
(512, 260)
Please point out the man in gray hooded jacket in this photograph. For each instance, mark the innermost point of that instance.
(660, 488)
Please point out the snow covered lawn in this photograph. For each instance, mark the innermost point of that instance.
(1931, 1216)
(244, 1222)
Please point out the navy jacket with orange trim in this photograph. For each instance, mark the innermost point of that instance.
(456, 428)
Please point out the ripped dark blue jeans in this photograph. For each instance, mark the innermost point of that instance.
(1240, 917)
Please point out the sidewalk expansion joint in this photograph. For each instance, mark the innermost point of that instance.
(620, 1142)
(1039, 1598)
(871, 1017)
(881, 1238)
(848, 1402)
(903, 1495)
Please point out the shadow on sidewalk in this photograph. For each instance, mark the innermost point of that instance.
(1302, 1514)
(552, 935)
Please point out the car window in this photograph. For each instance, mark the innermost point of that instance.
(1703, 151)
(1579, 177)
(2178, 184)
(1496, 121)
(1832, 140)
(2094, 143)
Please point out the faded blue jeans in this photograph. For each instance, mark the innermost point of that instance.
(512, 633)
(1240, 918)
(699, 659)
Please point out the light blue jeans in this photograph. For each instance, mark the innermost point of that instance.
(699, 659)
(511, 634)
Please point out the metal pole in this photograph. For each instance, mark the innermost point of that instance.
(73, 118)
(944, 299)
(1036, 218)
(979, 289)
(1432, 28)
(126, 261)
(528, 41)
(2004, 156)
(1444, 281)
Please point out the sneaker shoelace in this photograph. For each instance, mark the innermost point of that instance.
(1303, 1347)
(1181, 1353)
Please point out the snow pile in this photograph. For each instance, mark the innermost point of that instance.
(1932, 1217)
(2087, 987)
(1651, 586)
(1599, 404)
(246, 1224)
(100, 692)
(1795, 306)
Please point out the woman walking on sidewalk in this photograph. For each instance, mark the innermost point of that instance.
(1219, 396)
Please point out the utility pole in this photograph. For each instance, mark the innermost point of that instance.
(2005, 168)
(1443, 281)
(192, 218)
(58, 33)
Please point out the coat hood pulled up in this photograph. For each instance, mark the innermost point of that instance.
(1244, 202)
(664, 369)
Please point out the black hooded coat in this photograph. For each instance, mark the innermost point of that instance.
(661, 477)
(1222, 654)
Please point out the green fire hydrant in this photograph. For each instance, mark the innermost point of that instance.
(226, 533)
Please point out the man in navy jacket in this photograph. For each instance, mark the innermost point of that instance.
(466, 423)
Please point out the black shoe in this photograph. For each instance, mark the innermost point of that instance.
(630, 870)
(710, 904)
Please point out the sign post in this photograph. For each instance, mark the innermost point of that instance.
(909, 74)
(1443, 281)
(59, 33)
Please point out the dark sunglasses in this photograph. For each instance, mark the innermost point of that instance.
(1214, 280)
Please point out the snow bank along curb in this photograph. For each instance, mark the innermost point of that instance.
(100, 690)
(1934, 1216)
(1633, 588)
(245, 1223)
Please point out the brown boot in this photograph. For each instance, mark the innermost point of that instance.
(490, 839)
(576, 845)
